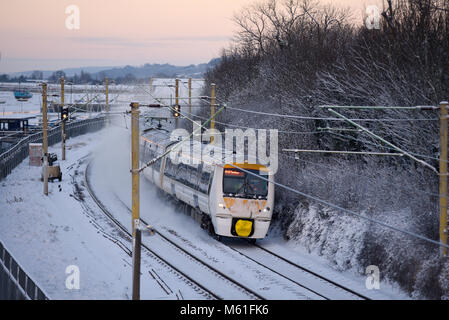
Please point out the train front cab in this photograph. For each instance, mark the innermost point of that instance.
(241, 203)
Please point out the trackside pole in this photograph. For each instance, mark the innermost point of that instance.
(62, 121)
(177, 102)
(106, 84)
(190, 97)
(443, 175)
(135, 198)
(45, 137)
(212, 111)
(137, 241)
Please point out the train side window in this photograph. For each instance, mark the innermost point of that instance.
(142, 152)
(204, 182)
(168, 168)
(186, 175)
(181, 173)
(198, 172)
(211, 177)
(193, 178)
(149, 155)
(167, 165)
(157, 164)
(172, 170)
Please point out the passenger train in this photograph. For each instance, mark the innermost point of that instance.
(225, 199)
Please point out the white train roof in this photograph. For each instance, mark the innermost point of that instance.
(161, 139)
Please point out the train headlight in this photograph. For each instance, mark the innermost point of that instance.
(222, 205)
(243, 228)
(267, 209)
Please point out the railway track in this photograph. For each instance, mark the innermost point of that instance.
(345, 288)
(322, 286)
(230, 289)
(121, 237)
(311, 281)
(304, 277)
(319, 286)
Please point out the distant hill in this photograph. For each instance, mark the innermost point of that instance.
(145, 71)
(160, 70)
(69, 71)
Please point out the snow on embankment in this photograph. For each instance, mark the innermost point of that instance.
(352, 243)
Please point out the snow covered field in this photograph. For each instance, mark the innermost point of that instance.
(118, 94)
(48, 234)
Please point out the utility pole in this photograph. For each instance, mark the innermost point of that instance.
(107, 100)
(62, 120)
(190, 97)
(151, 85)
(212, 111)
(177, 101)
(443, 175)
(135, 198)
(45, 137)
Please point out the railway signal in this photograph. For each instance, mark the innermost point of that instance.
(176, 111)
(64, 114)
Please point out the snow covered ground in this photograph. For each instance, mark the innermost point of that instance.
(49, 234)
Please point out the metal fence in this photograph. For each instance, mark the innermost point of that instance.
(15, 284)
(15, 155)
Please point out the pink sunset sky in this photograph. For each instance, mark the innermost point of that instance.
(120, 32)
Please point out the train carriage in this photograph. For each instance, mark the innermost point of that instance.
(231, 200)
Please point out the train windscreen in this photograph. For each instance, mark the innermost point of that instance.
(237, 183)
